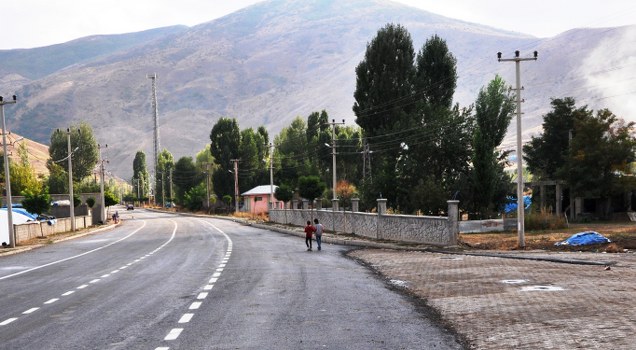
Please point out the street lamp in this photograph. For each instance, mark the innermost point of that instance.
(7, 178)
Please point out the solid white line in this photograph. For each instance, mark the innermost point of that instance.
(51, 301)
(7, 321)
(185, 318)
(202, 295)
(33, 309)
(208, 287)
(174, 334)
(95, 280)
(82, 286)
(72, 257)
(68, 293)
(195, 305)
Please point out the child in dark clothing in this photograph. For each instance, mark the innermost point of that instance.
(309, 231)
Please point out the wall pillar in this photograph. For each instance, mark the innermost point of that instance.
(381, 206)
(334, 204)
(318, 203)
(453, 221)
(559, 199)
(294, 204)
(355, 204)
(305, 204)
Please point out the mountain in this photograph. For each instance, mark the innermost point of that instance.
(279, 59)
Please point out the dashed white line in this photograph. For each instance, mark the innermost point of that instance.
(95, 280)
(7, 321)
(68, 293)
(173, 334)
(213, 280)
(33, 309)
(123, 267)
(162, 348)
(208, 287)
(114, 271)
(185, 318)
(216, 274)
(104, 276)
(202, 295)
(195, 305)
(82, 286)
(51, 301)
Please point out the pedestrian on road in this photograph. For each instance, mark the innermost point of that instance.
(319, 230)
(309, 231)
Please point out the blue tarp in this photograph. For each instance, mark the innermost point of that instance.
(511, 205)
(585, 238)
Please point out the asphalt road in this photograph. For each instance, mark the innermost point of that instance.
(162, 281)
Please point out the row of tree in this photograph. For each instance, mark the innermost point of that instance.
(412, 145)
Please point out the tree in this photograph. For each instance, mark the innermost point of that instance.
(225, 140)
(310, 187)
(141, 178)
(110, 198)
(284, 193)
(292, 156)
(165, 163)
(186, 176)
(36, 202)
(251, 150)
(599, 155)
(488, 182)
(345, 191)
(84, 148)
(194, 198)
(383, 96)
(544, 155)
(436, 74)
(58, 179)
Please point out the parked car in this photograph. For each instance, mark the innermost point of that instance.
(130, 207)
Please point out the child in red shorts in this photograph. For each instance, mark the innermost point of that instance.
(309, 231)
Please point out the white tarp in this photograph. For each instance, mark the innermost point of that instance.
(19, 217)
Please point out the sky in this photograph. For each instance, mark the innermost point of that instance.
(35, 23)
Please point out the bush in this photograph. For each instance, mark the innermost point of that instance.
(90, 201)
(544, 220)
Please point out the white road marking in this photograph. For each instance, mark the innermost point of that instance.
(7, 321)
(208, 287)
(185, 318)
(51, 301)
(202, 295)
(95, 280)
(68, 293)
(104, 276)
(123, 267)
(219, 270)
(33, 309)
(162, 348)
(174, 334)
(213, 280)
(216, 274)
(222, 265)
(114, 271)
(72, 257)
(82, 286)
(195, 305)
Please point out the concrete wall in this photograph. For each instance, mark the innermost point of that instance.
(30, 230)
(433, 230)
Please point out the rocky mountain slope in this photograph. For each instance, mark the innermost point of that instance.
(278, 59)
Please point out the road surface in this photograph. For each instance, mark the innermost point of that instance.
(163, 281)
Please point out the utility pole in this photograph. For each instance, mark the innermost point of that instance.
(7, 178)
(138, 200)
(163, 192)
(520, 203)
(236, 188)
(366, 158)
(171, 195)
(207, 185)
(271, 175)
(334, 199)
(155, 108)
(70, 179)
(102, 213)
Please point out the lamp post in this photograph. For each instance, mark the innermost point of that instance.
(102, 213)
(7, 178)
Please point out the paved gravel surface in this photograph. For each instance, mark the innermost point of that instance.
(504, 303)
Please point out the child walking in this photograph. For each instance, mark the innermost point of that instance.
(309, 230)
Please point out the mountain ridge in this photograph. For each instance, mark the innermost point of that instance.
(273, 61)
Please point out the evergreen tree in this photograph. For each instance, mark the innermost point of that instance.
(488, 182)
(225, 140)
(141, 178)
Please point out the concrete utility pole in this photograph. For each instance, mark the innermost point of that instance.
(366, 158)
(236, 188)
(102, 213)
(271, 175)
(70, 179)
(155, 108)
(207, 185)
(334, 199)
(520, 204)
(7, 177)
(171, 195)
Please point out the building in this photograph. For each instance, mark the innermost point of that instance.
(256, 200)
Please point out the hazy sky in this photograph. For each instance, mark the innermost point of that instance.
(33, 23)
